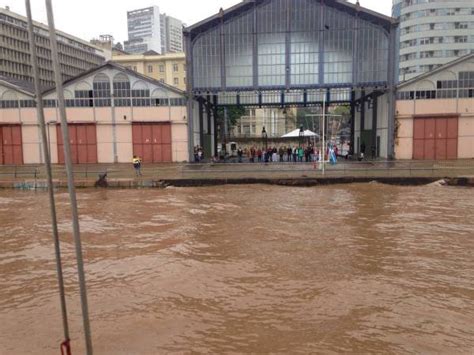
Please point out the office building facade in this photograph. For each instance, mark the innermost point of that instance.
(148, 30)
(171, 35)
(432, 33)
(76, 56)
(144, 30)
(169, 68)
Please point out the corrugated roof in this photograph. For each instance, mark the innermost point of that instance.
(26, 87)
(122, 69)
(362, 12)
(437, 70)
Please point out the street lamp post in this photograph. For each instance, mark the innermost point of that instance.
(301, 135)
(265, 138)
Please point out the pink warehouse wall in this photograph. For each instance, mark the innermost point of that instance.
(32, 151)
(406, 110)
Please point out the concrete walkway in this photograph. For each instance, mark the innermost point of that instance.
(123, 175)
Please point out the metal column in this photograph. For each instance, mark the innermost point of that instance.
(189, 89)
(374, 124)
(288, 45)
(201, 122)
(353, 97)
(214, 121)
(222, 50)
(321, 44)
(255, 47)
(391, 92)
(362, 111)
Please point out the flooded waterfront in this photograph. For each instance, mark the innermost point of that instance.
(246, 269)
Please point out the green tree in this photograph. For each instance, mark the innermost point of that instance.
(343, 110)
(233, 114)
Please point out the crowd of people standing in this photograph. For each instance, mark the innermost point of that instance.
(281, 154)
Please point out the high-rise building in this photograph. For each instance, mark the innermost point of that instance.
(75, 55)
(144, 30)
(171, 34)
(148, 30)
(396, 11)
(433, 33)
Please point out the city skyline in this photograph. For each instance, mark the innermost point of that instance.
(69, 15)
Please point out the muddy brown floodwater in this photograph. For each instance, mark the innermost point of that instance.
(245, 269)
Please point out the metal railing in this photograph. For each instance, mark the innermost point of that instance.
(19, 171)
(343, 168)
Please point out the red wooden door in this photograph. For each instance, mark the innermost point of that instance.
(166, 139)
(152, 142)
(60, 143)
(435, 138)
(82, 142)
(429, 146)
(157, 147)
(7, 145)
(91, 136)
(441, 140)
(147, 135)
(11, 150)
(452, 139)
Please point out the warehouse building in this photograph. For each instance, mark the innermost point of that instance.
(435, 113)
(298, 53)
(113, 113)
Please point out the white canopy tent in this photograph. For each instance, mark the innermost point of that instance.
(296, 134)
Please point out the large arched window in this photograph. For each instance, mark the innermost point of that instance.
(121, 90)
(69, 98)
(9, 100)
(141, 94)
(83, 95)
(101, 90)
(159, 97)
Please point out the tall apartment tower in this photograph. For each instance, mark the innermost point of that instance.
(144, 31)
(432, 33)
(171, 34)
(75, 55)
(396, 12)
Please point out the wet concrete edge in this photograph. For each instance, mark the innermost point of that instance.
(295, 182)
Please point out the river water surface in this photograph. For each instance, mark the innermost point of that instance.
(245, 269)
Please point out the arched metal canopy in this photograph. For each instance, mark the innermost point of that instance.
(283, 52)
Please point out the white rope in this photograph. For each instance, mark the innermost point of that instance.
(70, 177)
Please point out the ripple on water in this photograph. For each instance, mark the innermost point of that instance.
(363, 268)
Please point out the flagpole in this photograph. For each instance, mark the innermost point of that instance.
(70, 177)
(47, 163)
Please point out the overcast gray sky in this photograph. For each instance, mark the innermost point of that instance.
(87, 19)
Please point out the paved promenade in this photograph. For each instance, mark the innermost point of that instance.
(123, 175)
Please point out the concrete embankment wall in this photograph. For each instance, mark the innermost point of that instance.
(302, 182)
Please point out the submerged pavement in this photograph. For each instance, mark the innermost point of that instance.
(198, 174)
